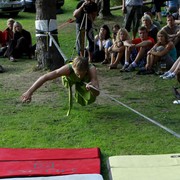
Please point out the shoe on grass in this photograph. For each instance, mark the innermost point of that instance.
(165, 74)
(124, 67)
(130, 68)
(176, 102)
(169, 76)
(12, 59)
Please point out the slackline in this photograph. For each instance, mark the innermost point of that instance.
(142, 115)
(119, 102)
(145, 117)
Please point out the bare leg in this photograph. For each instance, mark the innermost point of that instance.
(140, 55)
(175, 66)
(127, 54)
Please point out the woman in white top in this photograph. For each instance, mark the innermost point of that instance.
(102, 43)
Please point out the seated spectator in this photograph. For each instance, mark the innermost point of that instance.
(115, 30)
(156, 23)
(102, 43)
(173, 31)
(7, 35)
(173, 71)
(138, 49)
(8, 32)
(163, 53)
(148, 23)
(117, 50)
(20, 44)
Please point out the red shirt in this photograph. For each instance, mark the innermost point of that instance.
(7, 36)
(139, 40)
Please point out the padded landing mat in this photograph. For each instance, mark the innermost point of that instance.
(67, 177)
(48, 162)
(144, 167)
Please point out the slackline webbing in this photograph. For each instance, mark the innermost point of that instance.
(142, 115)
(119, 102)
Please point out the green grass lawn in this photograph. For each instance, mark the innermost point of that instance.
(106, 124)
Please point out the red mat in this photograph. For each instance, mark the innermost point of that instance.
(46, 162)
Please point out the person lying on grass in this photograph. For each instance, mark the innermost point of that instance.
(78, 72)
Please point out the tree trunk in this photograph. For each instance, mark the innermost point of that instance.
(48, 57)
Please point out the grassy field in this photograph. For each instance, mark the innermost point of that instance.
(106, 124)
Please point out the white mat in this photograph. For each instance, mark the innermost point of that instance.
(66, 177)
(144, 167)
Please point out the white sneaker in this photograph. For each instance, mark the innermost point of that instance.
(176, 102)
(169, 76)
(165, 74)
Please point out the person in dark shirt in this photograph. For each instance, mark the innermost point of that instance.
(84, 26)
(20, 44)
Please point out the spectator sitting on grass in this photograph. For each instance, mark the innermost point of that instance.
(156, 23)
(163, 52)
(117, 50)
(115, 30)
(102, 43)
(7, 36)
(137, 49)
(21, 43)
(173, 31)
(148, 23)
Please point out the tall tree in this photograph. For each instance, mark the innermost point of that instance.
(48, 57)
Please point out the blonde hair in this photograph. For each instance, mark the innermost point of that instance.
(17, 24)
(80, 63)
(122, 30)
(146, 17)
(11, 20)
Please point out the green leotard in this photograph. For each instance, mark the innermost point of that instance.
(82, 96)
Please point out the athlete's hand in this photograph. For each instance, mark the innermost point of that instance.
(26, 97)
